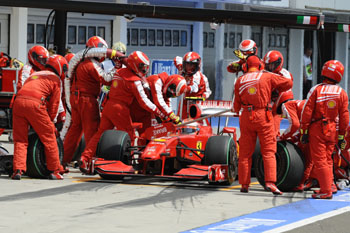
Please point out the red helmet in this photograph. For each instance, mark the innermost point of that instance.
(248, 47)
(69, 56)
(58, 64)
(174, 86)
(139, 63)
(333, 70)
(282, 98)
(96, 42)
(37, 56)
(191, 63)
(273, 61)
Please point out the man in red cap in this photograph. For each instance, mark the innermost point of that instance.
(253, 95)
(326, 102)
(246, 48)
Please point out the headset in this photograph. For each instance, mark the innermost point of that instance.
(245, 66)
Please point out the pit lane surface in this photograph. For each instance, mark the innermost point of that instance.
(88, 204)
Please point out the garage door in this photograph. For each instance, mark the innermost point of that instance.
(159, 41)
(79, 29)
(4, 33)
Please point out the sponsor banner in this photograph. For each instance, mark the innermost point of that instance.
(159, 66)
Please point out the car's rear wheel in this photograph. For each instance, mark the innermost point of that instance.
(36, 160)
(6, 161)
(290, 166)
(113, 145)
(222, 150)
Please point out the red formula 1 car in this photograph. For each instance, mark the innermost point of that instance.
(189, 151)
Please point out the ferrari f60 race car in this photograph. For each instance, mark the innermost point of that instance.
(188, 151)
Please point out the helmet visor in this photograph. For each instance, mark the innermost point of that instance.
(273, 65)
(40, 59)
(171, 91)
(143, 68)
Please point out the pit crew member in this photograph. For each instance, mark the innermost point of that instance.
(36, 104)
(162, 88)
(197, 83)
(126, 86)
(273, 61)
(253, 95)
(325, 103)
(85, 88)
(246, 48)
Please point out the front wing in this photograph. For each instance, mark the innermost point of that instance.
(213, 173)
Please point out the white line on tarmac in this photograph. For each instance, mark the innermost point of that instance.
(309, 220)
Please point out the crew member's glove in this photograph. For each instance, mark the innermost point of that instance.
(105, 89)
(116, 56)
(341, 142)
(304, 136)
(239, 54)
(188, 89)
(175, 119)
(61, 117)
(234, 67)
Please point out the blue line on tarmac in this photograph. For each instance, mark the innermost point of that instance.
(284, 217)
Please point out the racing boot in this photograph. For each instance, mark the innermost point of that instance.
(269, 186)
(17, 175)
(244, 188)
(64, 169)
(56, 175)
(334, 189)
(299, 188)
(84, 165)
(322, 195)
(310, 183)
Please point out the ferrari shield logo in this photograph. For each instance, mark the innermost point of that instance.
(199, 145)
(35, 77)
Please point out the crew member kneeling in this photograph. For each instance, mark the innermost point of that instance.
(36, 105)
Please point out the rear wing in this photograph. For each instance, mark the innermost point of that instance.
(210, 107)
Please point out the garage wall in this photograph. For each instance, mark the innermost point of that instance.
(4, 32)
(79, 29)
(159, 40)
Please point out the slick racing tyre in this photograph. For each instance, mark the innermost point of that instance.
(255, 154)
(222, 150)
(113, 145)
(290, 166)
(36, 161)
(6, 161)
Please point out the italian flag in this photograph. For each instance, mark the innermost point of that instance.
(344, 27)
(307, 19)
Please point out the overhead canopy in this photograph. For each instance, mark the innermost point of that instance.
(263, 16)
